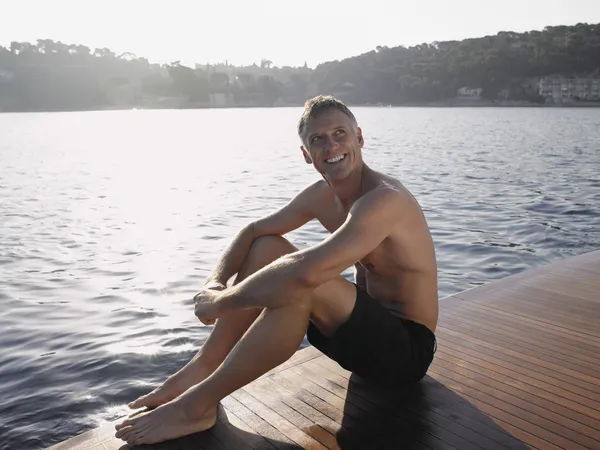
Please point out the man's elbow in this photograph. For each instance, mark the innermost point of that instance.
(305, 279)
(250, 229)
(306, 273)
(312, 277)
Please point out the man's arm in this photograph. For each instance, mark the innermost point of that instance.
(296, 275)
(292, 216)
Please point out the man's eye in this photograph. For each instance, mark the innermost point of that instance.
(313, 140)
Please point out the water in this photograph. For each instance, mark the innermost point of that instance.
(111, 220)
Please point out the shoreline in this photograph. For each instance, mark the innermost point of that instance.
(353, 105)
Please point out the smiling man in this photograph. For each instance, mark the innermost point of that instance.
(380, 327)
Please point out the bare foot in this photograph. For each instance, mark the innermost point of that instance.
(166, 422)
(190, 375)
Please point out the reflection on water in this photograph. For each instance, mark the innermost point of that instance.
(112, 220)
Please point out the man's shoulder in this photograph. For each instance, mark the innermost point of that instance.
(389, 196)
(382, 197)
(320, 186)
(317, 190)
(314, 195)
(386, 191)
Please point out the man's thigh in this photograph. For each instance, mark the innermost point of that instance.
(332, 305)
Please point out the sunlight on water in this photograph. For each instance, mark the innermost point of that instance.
(111, 222)
(109, 414)
(140, 349)
(173, 320)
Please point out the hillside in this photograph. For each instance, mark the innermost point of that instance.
(49, 75)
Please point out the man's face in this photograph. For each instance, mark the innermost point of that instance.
(332, 144)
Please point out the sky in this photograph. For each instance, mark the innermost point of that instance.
(284, 32)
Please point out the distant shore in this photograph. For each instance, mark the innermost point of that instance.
(553, 67)
(446, 104)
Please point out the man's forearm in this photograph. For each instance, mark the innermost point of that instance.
(277, 284)
(233, 257)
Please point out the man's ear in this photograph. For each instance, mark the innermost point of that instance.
(307, 157)
(361, 140)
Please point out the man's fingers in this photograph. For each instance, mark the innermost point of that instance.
(205, 320)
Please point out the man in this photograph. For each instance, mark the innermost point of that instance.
(381, 327)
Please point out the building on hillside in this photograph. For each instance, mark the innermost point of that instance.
(467, 92)
(561, 41)
(562, 89)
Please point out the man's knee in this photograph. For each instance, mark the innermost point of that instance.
(266, 249)
(332, 304)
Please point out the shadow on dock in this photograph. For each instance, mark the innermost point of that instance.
(421, 416)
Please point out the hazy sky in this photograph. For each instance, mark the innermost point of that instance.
(286, 32)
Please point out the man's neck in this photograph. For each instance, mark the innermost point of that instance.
(349, 190)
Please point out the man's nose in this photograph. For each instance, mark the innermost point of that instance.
(331, 144)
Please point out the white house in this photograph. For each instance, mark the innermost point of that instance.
(467, 92)
(559, 89)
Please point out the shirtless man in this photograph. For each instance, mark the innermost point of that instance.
(381, 327)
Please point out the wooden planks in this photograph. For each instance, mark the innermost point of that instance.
(517, 367)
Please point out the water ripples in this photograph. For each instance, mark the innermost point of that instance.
(108, 230)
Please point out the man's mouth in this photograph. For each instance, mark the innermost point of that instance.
(336, 159)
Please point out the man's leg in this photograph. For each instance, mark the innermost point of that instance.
(225, 334)
(271, 340)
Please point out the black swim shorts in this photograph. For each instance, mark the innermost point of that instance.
(376, 345)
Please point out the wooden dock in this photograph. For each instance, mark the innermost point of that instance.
(517, 367)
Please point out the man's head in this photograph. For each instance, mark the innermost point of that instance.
(331, 138)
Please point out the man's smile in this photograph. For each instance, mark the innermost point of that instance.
(336, 159)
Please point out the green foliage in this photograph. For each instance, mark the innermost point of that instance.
(51, 75)
(189, 83)
(425, 73)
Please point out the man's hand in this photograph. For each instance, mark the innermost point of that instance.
(205, 302)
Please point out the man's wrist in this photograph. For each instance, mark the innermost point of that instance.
(215, 282)
(222, 302)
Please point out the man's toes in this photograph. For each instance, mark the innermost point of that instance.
(132, 434)
(136, 439)
(139, 437)
(128, 422)
(133, 418)
(134, 404)
(133, 438)
(123, 431)
(139, 402)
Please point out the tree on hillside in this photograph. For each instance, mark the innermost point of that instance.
(51, 75)
(191, 83)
